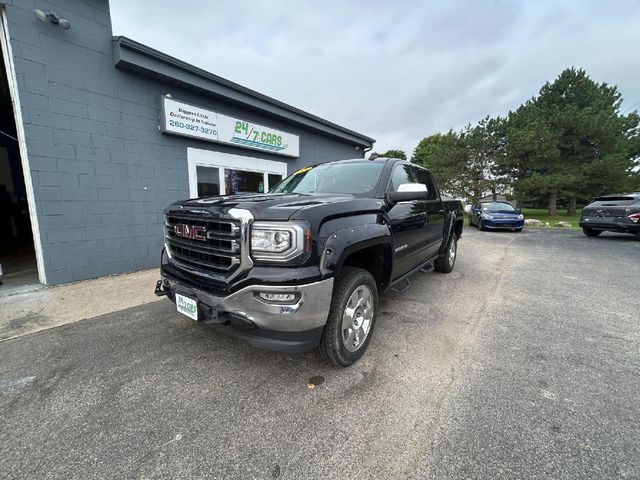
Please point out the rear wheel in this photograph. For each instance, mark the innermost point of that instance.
(590, 232)
(445, 263)
(352, 317)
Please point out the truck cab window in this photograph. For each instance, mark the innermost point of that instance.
(401, 174)
(424, 177)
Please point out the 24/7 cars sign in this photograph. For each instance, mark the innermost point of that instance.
(180, 118)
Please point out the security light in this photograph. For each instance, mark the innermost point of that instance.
(40, 15)
(53, 18)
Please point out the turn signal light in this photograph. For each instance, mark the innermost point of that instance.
(634, 217)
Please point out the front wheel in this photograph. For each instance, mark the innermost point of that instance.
(352, 316)
(480, 225)
(590, 232)
(446, 262)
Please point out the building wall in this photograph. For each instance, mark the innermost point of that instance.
(101, 171)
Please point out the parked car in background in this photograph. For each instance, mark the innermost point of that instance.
(496, 215)
(612, 213)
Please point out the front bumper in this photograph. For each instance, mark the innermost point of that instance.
(496, 224)
(283, 327)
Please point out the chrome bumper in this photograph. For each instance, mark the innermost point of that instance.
(310, 311)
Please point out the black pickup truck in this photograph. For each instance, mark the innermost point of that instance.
(302, 266)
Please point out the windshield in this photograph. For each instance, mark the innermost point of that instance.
(353, 177)
(498, 207)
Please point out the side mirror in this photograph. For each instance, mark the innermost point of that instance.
(408, 192)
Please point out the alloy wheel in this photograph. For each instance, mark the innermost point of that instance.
(357, 318)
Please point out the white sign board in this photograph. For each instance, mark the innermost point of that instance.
(183, 119)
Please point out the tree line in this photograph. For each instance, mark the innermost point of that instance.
(565, 146)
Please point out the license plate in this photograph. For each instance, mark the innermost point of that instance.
(187, 306)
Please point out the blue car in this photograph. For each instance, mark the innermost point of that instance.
(496, 215)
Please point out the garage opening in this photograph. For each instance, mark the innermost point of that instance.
(18, 264)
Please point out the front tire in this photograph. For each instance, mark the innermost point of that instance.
(590, 232)
(480, 225)
(352, 317)
(445, 263)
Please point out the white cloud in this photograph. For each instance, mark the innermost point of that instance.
(396, 71)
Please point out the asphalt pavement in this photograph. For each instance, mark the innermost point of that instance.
(524, 362)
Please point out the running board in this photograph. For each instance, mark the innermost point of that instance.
(428, 268)
(425, 267)
(407, 286)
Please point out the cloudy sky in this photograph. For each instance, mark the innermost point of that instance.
(396, 71)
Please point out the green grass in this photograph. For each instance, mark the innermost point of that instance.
(549, 221)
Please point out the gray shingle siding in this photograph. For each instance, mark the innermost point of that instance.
(101, 171)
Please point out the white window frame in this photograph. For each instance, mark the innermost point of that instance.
(197, 157)
(7, 53)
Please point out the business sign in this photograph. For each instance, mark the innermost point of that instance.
(183, 119)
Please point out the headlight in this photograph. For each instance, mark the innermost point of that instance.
(486, 216)
(521, 217)
(279, 242)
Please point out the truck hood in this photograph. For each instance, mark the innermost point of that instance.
(281, 206)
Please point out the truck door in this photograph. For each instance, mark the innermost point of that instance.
(408, 223)
(435, 211)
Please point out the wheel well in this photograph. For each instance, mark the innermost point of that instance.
(458, 228)
(376, 259)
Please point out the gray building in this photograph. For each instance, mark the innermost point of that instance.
(99, 134)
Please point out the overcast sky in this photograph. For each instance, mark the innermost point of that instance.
(395, 71)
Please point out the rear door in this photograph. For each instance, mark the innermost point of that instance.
(434, 209)
(408, 223)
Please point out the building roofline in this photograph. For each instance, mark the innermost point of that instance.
(138, 58)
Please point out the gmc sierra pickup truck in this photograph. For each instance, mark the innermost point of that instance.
(302, 266)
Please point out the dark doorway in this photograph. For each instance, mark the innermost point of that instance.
(17, 253)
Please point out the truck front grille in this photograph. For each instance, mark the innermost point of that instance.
(202, 244)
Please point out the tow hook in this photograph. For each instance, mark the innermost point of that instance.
(160, 289)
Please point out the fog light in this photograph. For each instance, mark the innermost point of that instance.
(277, 297)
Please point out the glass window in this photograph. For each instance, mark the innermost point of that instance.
(424, 177)
(274, 179)
(348, 177)
(241, 181)
(498, 207)
(401, 174)
(208, 181)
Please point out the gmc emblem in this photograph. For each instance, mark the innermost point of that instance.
(194, 232)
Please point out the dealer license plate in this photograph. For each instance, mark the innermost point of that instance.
(187, 306)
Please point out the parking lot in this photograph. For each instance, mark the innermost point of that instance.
(524, 362)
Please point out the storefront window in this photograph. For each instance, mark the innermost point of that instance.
(208, 181)
(273, 180)
(241, 181)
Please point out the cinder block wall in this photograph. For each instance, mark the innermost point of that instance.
(101, 171)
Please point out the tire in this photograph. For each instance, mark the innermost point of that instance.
(480, 225)
(638, 236)
(351, 286)
(590, 232)
(446, 263)
(518, 230)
